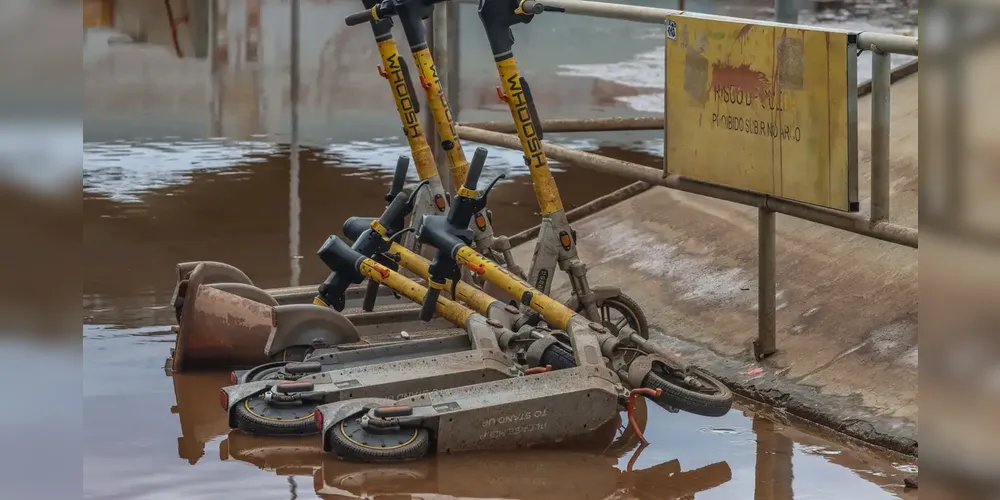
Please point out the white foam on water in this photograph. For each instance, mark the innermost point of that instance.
(123, 171)
(382, 153)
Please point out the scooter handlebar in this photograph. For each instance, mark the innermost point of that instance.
(356, 226)
(436, 231)
(361, 17)
(341, 259)
(396, 210)
(399, 176)
(476, 168)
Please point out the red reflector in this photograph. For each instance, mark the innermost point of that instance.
(233, 379)
(224, 400)
(318, 419)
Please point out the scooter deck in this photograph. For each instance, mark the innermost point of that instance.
(393, 379)
(358, 354)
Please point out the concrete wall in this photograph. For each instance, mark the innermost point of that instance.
(146, 87)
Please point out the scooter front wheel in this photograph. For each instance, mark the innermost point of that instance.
(700, 393)
(619, 311)
(352, 441)
(253, 415)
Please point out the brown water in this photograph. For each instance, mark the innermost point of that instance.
(148, 435)
(160, 190)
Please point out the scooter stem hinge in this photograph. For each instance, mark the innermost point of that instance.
(501, 95)
(424, 83)
(381, 72)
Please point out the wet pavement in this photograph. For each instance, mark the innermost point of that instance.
(161, 188)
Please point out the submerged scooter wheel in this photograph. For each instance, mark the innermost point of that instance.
(265, 373)
(256, 416)
(702, 394)
(351, 441)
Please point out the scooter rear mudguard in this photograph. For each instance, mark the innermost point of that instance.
(221, 328)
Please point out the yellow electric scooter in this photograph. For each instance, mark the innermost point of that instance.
(396, 71)
(556, 245)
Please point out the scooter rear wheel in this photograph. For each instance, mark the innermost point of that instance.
(351, 441)
(253, 415)
(712, 399)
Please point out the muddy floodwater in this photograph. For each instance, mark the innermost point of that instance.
(178, 167)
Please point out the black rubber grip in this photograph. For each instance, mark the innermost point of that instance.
(371, 294)
(359, 18)
(476, 168)
(399, 177)
(354, 227)
(333, 290)
(396, 210)
(430, 304)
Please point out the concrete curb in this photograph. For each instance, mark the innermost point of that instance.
(762, 383)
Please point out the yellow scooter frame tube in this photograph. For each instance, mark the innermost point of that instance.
(448, 309)
(522, 110)
(475, 298)
(411, 14)
(497, 17)
(396, 72)
(554, 312)
(444, 122)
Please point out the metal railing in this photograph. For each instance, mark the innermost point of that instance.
(876, 225)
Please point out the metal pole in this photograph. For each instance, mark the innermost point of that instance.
(294, 203)
(452, 82)
(881, 75)
(443, 37)
(765, 345)
(786, 11)
(855, 223)
(953, 139)
(888, 42)
(430, 130)
(294, 71)
(214, 64)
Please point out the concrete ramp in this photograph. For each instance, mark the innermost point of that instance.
(847, 304)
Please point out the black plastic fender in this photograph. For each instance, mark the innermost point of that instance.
(600, 293)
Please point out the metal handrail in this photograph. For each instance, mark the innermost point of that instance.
(877, 225)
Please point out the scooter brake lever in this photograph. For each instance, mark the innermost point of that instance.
(456, 276)
(394, 237)
(413, 194)
(480, 202)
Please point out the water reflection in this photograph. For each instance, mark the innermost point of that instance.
(537, 474)
(773, 480)
(748, 453)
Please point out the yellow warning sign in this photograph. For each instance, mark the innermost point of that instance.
(764, 107)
